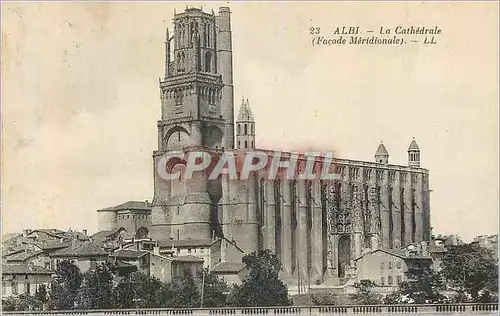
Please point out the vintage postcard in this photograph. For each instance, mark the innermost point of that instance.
(250, 157)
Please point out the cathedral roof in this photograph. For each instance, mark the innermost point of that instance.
(413, 145)
(245, 114)
(130, 205)
(381, 151)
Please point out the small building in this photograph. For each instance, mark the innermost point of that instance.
(211, 251)
(85, 256)
(23, 279)
(231, 272)
(389, 267)
(128, 261)
(167, 267)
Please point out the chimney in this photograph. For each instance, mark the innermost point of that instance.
(156, 249)
(84, 231)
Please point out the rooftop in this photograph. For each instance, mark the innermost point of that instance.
(23, 269)
(130, 205)
(84, 250)
(228, 267)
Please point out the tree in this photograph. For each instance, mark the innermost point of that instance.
(96, 288)
(65, 285)
(422, 287)
(470, 270)
(138, 290)
(262, 287)
(364, 294)
(183, 291)
(9, 304)
(27, 302)
(214, 289)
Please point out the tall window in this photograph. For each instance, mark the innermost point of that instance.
(262, 193)
(239, 129)
(208, 61)
(277, 224)
(246, 144)
(246, 130)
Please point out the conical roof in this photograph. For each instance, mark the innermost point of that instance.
(413, 145)
(245, 114)
(381, 150)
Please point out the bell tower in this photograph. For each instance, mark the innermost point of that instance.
(193, 106)
(414, 154)
(245, 127)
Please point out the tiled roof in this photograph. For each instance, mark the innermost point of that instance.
(123, 264)
(23, 269)
(186, 243)
(130, 205)
(56, 245)
(101, 236)
(84, 250)
(129, 254)
(8, 236)
(187, 258)
(228, 267)
(398, 253)
(23, 256)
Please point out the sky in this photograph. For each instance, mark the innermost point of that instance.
(80, 100)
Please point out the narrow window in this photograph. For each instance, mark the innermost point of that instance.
(246, 144)
(246, 130)
(208, 61)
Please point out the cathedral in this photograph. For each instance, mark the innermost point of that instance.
(316, 228)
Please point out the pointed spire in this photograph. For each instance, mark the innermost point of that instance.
(413, 145)
(381, 150)
(245, 114)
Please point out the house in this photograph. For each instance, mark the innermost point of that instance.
(128, 261)
(167, 267)
(210, 251)
(232, 273)
(389, 267)
(85, 256)
(22, 278)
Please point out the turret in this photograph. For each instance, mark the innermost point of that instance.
(245, 127)
(224, 64)
(414, 154)
(382, 155)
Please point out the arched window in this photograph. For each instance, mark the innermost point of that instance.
(246, 144)
(251, 129)
(246, 130)
(208, 62)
